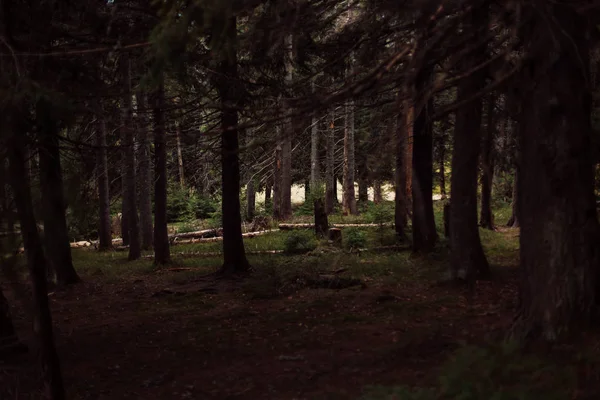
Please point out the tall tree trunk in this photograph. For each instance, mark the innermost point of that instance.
(268, 189)
(513, 221)
(442, 166)
(162, 251)
(377, 192)
(330, 187)
(424, 233)
(56, 235)
(286, 139)
(466, 252)
(486, 219)
(179, 155)
(314, 150)
(233, 244)
(363, 190)
(348, 195)
(145, 173)
(559, 253)
(250, 200)
(400, 200)
(36, 262)
(104, 222)
(129, 195)
(277, 173)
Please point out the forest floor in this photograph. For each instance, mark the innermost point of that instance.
(401, 334)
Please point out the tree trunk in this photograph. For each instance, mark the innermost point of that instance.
(129, 192)
(145, 173)
(36, 262)
(424, 233)
(162, 251)
(559, 253)
(466, 252)
(321, 223)
(233, 244)
(277, 173)
(348, 195)
(288, 134)
(363, 191)
(377, 193)
(179, 156)
(268, 188)
(442, 163)
(56, 235)
(250, 200)
(513, 221)
(314, 151)
(486, 219)
(104, 221)
(401, 206)
(330, 189)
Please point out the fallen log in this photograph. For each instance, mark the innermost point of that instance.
(289, 227)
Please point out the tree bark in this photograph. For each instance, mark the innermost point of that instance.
(330, 194)
(36, 262)
(321, 223)
(348, 194)
(363, 191)
(377, 193)
(179, 156)
(424, 233)
(513, 221)
(145, 174)
(314, 150)
(56, 235)
(287, 135)
(442, 166)
(486, 219)
(129, 192)
(250, 200)
(162, 251)
(235, 261)
(559, 253)
(277, 173)
(466, 252)
(104, 221)
(400, 200)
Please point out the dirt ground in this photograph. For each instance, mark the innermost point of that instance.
(118, 341)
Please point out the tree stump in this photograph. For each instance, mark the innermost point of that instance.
(447, 219)
(335, 235)
(321, 223)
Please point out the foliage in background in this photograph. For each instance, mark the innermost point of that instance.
(299, 241)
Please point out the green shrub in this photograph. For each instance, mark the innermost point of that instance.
(180, 204)
(354, 238)
(204, 207)
(381, 213)
(298, 241)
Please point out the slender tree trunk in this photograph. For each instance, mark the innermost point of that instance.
(286, 140)
(377, 192)
(513, 221)
(330, 187)
(145, 177)
(314, 150)
(56, 235)
(401, 206)
(424, 233)
(559, 253)
(348, 195)
(179, 155)
(233, 244)
(104, 222)
(442, 163)
(277, 173)
(162, 251)
(466, 252)
(250, 200)
(268, 188)
(486, 219)
(36, 262)
(363, 191)
(129, 195)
